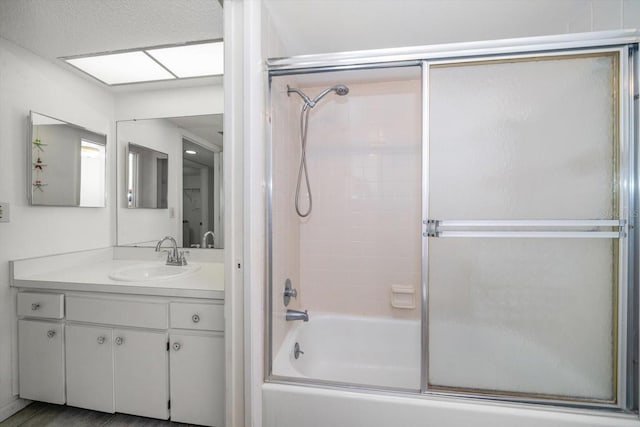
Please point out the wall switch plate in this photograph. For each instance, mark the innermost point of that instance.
(4, 212)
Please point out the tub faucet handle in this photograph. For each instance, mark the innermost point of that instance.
(289, 292)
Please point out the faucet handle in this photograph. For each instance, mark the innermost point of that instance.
(182, 259)
(169, 254)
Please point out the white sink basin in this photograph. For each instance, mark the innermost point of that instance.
(152, 271)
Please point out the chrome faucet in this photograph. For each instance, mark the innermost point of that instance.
(204, 239)
(173, 256)
(297, 315)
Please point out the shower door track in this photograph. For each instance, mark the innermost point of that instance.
(392, 57)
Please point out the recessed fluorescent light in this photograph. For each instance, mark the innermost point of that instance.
(194, 60)
(119, 68)
(191, 152)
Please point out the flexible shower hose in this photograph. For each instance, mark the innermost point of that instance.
(304, 124)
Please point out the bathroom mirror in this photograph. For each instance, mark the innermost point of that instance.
(66, 164)
(194, 201)
(147, 177)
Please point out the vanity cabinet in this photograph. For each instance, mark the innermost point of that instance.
(141, 373)
(41, 346)
(197, 363)
(157, 357)
(90, 367)
(118, 369)
(41, 360)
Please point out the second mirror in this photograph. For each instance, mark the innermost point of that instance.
(171, 167)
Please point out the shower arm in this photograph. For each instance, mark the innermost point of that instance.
(307, 100)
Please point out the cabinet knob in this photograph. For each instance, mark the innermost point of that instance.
(51, 333)
(101, 340)
(195, 318)
(35, 306)
(176, 346)
(119, 340)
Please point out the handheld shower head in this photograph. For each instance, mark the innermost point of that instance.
(340, 90)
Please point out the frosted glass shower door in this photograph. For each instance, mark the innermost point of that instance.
(524, 227)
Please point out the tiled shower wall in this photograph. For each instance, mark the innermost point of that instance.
(364, 159)
(364, 234)
(285, 225)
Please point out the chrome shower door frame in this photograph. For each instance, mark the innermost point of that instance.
(624, 229)
(623, 42)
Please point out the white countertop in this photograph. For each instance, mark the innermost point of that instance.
(88, 271)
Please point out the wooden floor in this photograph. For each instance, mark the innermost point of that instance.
(47, 415)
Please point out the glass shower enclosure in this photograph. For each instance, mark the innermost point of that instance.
(471, 231)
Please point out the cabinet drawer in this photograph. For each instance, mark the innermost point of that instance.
(106, 311)
(48, 306)
(197, 316)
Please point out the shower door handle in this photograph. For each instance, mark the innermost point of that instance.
(547, 229)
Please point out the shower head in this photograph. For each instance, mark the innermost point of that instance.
(340, 90)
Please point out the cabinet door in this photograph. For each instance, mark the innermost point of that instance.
(90, 367)
(41, 361)
(197, 378)
(141, 373)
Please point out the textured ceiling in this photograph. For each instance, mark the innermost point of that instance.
(55, 28)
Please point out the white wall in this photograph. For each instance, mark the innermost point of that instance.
(319, 26)
(28, 82)
(178, 102)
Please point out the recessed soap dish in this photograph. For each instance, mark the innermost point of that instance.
(403, 296)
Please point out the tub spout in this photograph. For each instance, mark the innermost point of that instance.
(297, 315)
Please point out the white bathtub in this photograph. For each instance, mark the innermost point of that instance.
(372, 351)
(386, 352)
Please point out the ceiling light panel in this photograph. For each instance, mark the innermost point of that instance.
(195, 60)
(121, 68)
